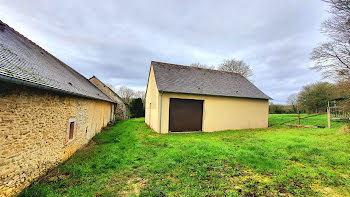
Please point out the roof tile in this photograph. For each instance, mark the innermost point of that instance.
(193, 80)
(23, 60)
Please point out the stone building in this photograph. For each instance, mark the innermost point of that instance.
(121, 107)
(47, 111)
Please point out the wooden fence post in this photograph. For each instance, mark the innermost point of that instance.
(298, 117)
(329, 117)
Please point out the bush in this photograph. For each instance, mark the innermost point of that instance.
(281, 109)
(136, 108)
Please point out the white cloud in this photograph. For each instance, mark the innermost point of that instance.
(116, 40)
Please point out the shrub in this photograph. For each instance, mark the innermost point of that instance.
(136, 108)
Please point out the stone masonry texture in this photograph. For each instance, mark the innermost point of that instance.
(34, 129)
(122, 109)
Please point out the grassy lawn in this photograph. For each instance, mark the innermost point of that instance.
(131, 160)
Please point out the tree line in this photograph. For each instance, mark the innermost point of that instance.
(313, 98)
(134, 99)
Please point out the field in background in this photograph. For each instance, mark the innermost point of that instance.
(129, 159)
(320, 120)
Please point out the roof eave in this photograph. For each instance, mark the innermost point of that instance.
(165, 91)
(34, 85)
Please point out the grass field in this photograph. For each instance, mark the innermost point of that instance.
(131, 160)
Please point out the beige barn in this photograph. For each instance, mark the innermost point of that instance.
(183, 98)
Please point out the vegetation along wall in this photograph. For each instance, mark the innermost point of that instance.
(39, 129)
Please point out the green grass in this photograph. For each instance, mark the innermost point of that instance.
(131, 160)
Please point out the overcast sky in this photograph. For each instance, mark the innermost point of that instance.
(117, 40)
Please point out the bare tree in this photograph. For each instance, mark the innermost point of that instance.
(236, 66)
(343, 87)
(333, 57)
(141, 94)
(112, 88)
(337, 26)
(292, 100)
(199, 65)
(126, 93)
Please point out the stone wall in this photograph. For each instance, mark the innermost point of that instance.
(122, 112)
(34, 129)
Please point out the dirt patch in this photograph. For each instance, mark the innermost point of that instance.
(136, 184)
(55, 175)
(344, 129)
(127, 184)
(89, 146)
(133, 186)
(326, 191)
(106, 128)
(250, 183)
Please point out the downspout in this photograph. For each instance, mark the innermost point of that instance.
(160, 119)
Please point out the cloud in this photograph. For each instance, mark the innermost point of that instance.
(116, 40)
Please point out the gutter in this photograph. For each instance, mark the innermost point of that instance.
(26, 83)
(160, 119)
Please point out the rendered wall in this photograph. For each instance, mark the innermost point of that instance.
(34, 131)
(223, 113)
(152, 103)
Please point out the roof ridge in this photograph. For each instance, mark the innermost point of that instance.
(209, 69)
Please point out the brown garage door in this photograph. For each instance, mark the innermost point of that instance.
(185, 115)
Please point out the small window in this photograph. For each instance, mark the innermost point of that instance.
(71, 130)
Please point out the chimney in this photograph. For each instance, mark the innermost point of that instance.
(2, 26)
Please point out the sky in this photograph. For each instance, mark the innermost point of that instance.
(117, 40)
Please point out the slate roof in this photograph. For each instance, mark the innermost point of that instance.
(192, 80)
(23, 60)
